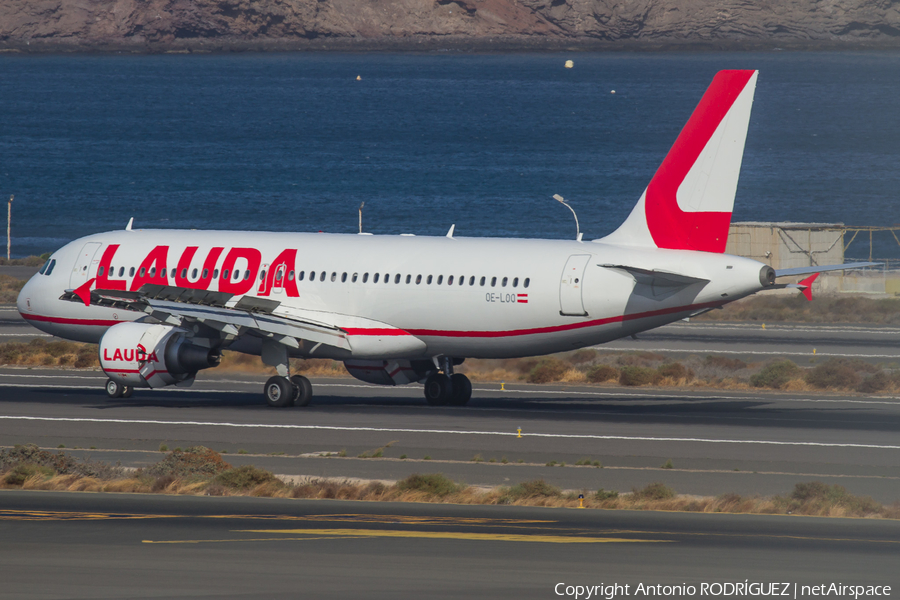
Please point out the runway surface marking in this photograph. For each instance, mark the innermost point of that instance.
(585, 436)
(435, 535)
(668, 395)
(759, 352)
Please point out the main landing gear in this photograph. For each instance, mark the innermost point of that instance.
(117, 389)
(281, 391)
(447, 388)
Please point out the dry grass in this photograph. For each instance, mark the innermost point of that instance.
(796, 309)
(10, 288)
(26, 467)
(56, 353)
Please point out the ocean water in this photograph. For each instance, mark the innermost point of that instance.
(294, 142)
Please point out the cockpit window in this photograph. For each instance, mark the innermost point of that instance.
(50, 266)
(44, 267)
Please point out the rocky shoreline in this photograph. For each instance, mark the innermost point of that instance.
(189, 26)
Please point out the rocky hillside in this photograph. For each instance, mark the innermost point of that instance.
(159, 25)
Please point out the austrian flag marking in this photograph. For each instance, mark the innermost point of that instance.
(522, 298)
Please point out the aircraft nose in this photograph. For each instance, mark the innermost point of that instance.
(24, 300)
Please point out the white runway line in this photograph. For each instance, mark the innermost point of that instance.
(610, 347)
(442, 431)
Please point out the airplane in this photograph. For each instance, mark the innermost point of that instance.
(400, 309)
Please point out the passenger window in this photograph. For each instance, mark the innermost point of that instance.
(143, 271)
(387, 277)
(440, 279)
(312, 276)
(462, 280)
(131, 272)
(527, 281)
(408, 278)
(397, 278)
(184, 273)
(503, 283)
(429, 280)
(225, 274)
(344, 278)
(493, 282)
(482, 282)
(333, 277)
(354, 278)
(194, 274)
(450, 280)
(418, 279)
(365, 277)
(246, 274)
(262, 275)
(375, 278)
(50, 268)
(301, 276)
(205, 273)
(515, 282)
(291, 276)
(215, 273)
(236, 274)
(472, 280)
(99, 272)
(121, 271)
(162, 273)
(322, 276)
(278, 274)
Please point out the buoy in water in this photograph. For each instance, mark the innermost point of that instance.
(358, 78)
(569, 64)
(612, 91)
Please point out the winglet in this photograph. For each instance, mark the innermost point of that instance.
(84, 292)
(450, 233)
(130, 223)
(806, 286)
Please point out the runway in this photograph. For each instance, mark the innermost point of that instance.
(749, 443)
(130, 546)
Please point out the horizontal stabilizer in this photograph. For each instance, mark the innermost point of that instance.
(804, 286)
(813, 269)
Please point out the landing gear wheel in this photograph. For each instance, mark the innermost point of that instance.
(438, 389)
(279, 392)
(302, 390)
(114, 389)
(128, 391)
(462, 389)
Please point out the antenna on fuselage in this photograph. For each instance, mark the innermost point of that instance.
(562, 201)
(130, 223)
(363, 203)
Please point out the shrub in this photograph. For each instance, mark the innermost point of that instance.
(633, 376)
(815, 497)
(654, 491)
(775, 375)
(835, 373)
(874, 383)
(434, 484)
(675, 371)
(582, 356)
(602, 373)
(668, 465)
(547, 371)
(724, 362)
(246, 477)
(196, 461)
(22, 472)
(605, 495)
(537, 488)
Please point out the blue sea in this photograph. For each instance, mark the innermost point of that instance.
(295, 142)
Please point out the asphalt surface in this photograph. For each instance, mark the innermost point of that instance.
(749, 443)
(57, 545)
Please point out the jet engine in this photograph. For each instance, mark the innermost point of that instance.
(149, 355)
(389, 372)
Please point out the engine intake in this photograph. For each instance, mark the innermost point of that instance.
(149, 355)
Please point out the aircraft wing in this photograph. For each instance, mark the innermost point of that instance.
(303, 330)
(822, 269)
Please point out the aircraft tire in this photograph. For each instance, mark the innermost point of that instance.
(438, 389)
(126, 393)
(279, 392)
(462, 389)
(114, 389)
(303, 390)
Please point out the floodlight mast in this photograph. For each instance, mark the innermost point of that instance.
(562, 201)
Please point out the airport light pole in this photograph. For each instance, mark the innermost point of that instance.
(8, 225)
(562, 201)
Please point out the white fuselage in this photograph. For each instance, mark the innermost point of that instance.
(508, 297)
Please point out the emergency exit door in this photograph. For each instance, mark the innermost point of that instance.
(571, 285)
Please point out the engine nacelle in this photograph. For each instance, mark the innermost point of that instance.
(389, 372)
(148, 355)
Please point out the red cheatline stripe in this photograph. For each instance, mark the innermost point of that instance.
(374, 331)
(522, 300)
(62, 321)
(569, 327)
